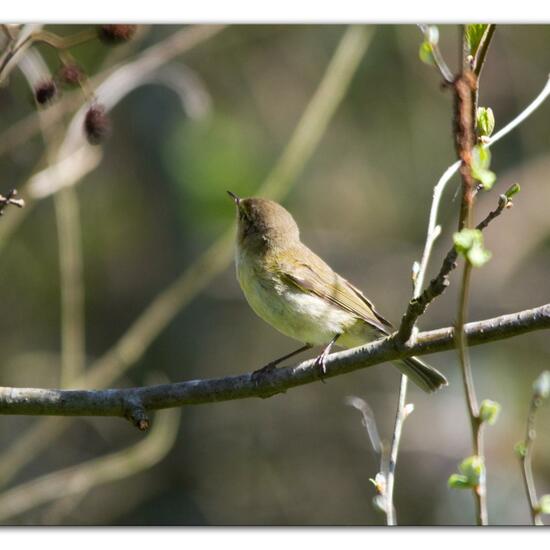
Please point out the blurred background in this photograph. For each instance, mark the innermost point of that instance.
(156, 201)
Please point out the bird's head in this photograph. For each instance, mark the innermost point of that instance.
(263, 223)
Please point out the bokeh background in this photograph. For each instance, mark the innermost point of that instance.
(157, 200)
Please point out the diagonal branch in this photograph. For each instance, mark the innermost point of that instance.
(417, 306)
(134, 403)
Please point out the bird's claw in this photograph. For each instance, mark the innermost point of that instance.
(320, 363)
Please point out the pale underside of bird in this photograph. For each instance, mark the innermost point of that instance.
(299, 294)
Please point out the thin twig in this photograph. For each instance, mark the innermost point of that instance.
(78, 479)
(453, 168)
(73, 349)
(482, 49)
(10, 199)
(70, 256)
(524, 449)
(133, 402)
(440, 63)
(526, 461)
(391, 515)
(417, 306)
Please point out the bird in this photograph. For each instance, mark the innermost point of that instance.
(299, 294)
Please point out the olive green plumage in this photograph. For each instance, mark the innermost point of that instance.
(300, 295)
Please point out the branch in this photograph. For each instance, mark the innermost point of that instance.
(133, 403)
(438, 285)
(526, 461)
(78, 479)
(466, 90)
(482, 49)
(541, 390)
(437, 57)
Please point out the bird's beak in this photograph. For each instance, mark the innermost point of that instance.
(234, 197)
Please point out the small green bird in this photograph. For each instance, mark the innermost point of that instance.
(296, 292)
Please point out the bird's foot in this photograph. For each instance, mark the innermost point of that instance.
(320, 364)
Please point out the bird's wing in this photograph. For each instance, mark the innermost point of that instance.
(313, 275)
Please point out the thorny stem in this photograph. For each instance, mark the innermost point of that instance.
(526, 461)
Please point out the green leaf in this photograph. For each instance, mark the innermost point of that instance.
(485, 121)
(544, 504)
(465, 239)
(541, 386)
(426, 53)
(474, 34)
(469, 243)
(489, 411)
(485, 177)
(520, 449)
(513, 190)
(472, 468)
(458, 481)
(478, 256)
(481, 160)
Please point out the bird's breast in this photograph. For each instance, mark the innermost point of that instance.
(294, 312)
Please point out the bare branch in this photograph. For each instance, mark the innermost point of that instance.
(466, 89)
(132, 401)
(525, 448)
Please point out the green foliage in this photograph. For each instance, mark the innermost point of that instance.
(207, 158)
(489, 411)
(474, 34)
(481, 160)
(426, 53)
(541, 386)
(543, 506)
(471, 470)
(513, 190)
(469, 243)
(458, 481)
(520, 449)
(485, 121)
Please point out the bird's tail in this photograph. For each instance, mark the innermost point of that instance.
(424, 376)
